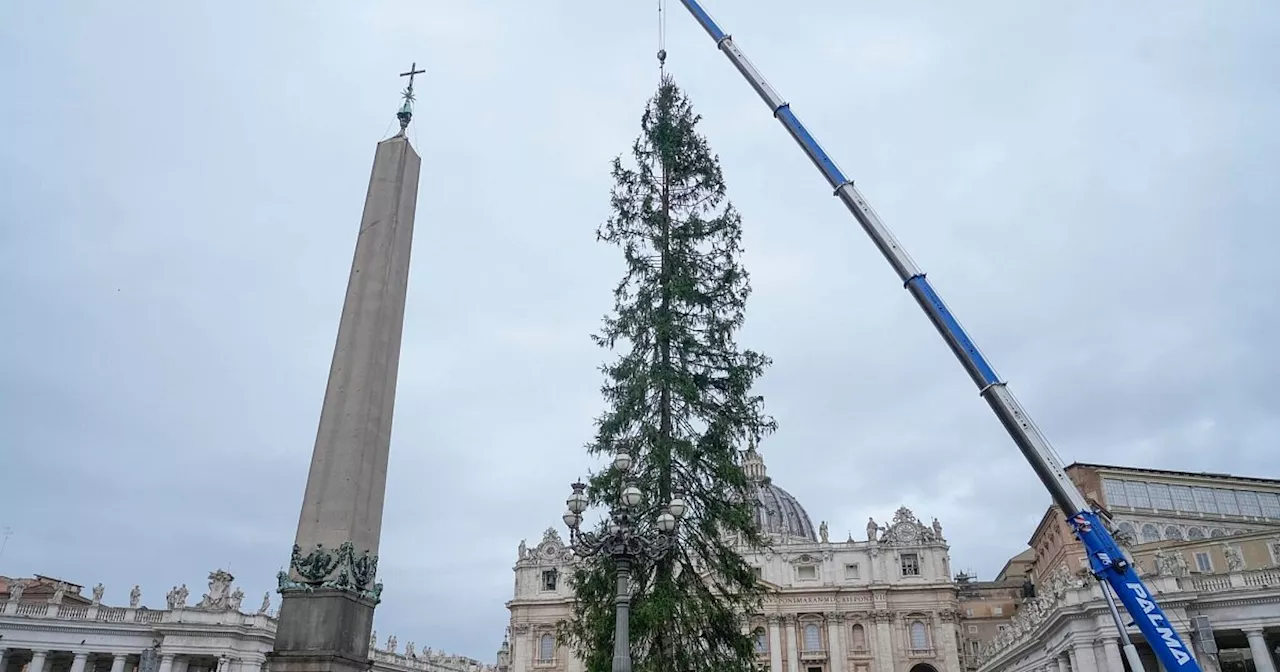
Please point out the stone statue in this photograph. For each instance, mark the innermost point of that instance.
(266, 603)
(937, 529)
(219, 586)
(177, 598)
(373, 640)
(1235, 562)
(872, 528)
(59, 592)
(135, 596)
(408, 650)
(822, 532)
(522, 551)
(98, 590)
(1170, 563)
(233, 602)
(15, 590)
(391, 644)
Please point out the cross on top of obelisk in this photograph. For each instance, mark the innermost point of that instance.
(406, 111)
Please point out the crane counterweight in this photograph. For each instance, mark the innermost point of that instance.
(1106, 560)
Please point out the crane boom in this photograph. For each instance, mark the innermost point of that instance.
(1105, 557)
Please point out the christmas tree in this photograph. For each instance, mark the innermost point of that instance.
(680, 403)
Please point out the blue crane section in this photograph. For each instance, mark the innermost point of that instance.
(1105, 557)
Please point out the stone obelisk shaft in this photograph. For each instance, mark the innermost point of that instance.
(330, 589)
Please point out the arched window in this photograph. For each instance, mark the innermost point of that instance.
(1217, 532)
(812, 637)
(859, 637)
(1150, 533)
(919, 635)
(1195, 533)
(547, 648)
(1172, 532)
(1127, 529)
(762, 640)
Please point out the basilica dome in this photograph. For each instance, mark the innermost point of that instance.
(777, 513)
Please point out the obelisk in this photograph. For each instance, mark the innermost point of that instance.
(330, 588)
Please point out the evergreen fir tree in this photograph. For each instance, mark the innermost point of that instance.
(680, 404)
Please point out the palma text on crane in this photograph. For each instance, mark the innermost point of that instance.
(1158, 620)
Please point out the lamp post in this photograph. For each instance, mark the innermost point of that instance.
(625, 540)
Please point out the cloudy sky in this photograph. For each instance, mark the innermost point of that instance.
(1091, 186)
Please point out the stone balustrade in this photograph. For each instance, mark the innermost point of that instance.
(142, 615)
(31, 614)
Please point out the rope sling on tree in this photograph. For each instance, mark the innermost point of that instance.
(662, 36)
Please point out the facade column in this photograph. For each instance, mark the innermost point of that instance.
(38, 659)
(883, 651)
(1082, 658)
(166, 662)
(1262, 661)
(836, 653)
(793, 649)
(1111, 653)
(775, 645)
(118, 661)
(1054, 664)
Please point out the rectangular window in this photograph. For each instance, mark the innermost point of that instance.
(1114, 492)
(1160, 497)
(1248, 503)
(807, 573)
(1182, 499)
(910, 564)
(1205, 500)
(549, 579)
(1137, 494)
(1203, 562)
(973, 629)
(1226, 502)
(997, 611)
(969, 613)
(757, 572)
(851, 571)
(1270, 504)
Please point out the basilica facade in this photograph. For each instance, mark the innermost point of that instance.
(883, 603)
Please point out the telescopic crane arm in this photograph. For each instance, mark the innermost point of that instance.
(1106, 560)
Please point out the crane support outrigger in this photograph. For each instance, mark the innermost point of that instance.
(1105, 557)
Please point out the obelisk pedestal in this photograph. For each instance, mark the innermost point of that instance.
(330, 589)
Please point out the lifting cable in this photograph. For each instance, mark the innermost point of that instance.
(662, 35)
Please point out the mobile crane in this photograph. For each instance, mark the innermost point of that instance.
(1106, 560)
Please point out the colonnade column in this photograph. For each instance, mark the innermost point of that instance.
(37, 661)
(1262, 660)
(118, 661)
(77, 664)
(1082, 658)
(166, 662)
(1111, 653)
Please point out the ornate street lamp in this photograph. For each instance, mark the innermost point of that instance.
(626, 541)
